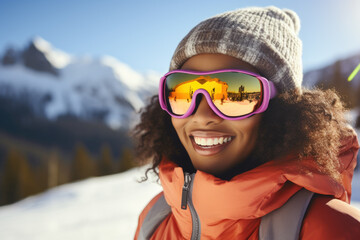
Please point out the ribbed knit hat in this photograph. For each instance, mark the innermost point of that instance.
(266, 38)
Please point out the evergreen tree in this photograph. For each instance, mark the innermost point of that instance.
(9, 179)
(18, 180)
(127, 160)
(53, 169)
(83, 164)
(106, 165)
(28, 184)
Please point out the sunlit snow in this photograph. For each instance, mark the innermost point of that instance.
(97, 208)
(57, 58)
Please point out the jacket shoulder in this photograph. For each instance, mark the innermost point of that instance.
(145, 211)
(329, 218)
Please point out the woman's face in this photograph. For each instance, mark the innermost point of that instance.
(205, 127)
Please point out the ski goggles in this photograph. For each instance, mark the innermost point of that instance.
(232, 94)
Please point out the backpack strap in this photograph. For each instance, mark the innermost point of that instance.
(158, 212)
(285, 222)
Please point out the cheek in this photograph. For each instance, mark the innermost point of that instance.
(254, 123)
(249, 128)
(179, 126)
(176, 123)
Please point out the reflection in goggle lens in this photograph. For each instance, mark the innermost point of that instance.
(233, 93)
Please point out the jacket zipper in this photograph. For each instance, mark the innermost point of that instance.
(186, 200)
(185, 191)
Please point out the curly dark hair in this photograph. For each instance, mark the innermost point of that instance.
(304, 122)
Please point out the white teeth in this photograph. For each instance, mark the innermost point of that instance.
(211, 141)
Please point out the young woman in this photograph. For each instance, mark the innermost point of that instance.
(236, 138)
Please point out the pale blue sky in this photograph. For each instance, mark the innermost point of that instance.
(144, 33)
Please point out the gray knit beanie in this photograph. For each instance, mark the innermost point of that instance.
(266, 38)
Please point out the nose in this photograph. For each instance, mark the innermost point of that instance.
(203, 113)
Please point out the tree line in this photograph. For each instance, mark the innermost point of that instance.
(20, 177)
(37, 153)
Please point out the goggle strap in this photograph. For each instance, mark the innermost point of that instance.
(273, 91)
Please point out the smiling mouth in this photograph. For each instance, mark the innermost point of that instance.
(210, 146)
(211, 142)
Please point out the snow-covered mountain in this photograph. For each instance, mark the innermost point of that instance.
(55, 83)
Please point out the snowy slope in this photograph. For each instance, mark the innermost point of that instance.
(83, 86)
(97, 208)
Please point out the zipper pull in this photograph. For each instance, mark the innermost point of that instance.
(185, 191)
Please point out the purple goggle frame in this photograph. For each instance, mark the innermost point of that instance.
(268, 92)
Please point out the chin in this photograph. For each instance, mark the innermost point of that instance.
(207, 168)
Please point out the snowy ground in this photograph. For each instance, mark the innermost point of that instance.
(98, 208)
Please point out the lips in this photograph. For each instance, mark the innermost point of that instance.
(209, 143)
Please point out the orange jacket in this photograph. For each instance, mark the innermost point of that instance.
(233, 209)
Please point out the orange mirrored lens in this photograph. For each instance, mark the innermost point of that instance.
(233, 93)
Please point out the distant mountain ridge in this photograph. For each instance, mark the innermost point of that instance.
(55, 83)
(334, 76)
